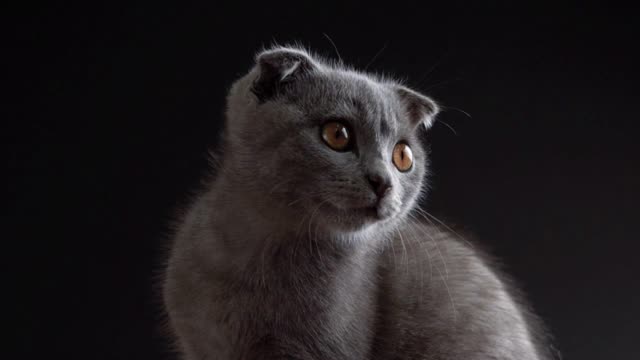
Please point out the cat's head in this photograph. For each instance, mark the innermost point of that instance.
(340, 148)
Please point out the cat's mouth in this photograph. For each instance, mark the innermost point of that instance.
(373, 212)
(358, 213)
(381, 211)
(368, 212)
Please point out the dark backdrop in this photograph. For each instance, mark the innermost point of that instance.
(112, 108)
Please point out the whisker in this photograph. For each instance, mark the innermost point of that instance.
(404, 252)
(453, 304)
(416, 240)
(309, 227)
(435, 243)
(376, 56)
(393, 251)
(426, 213)
(456, 109)
(426, 250)
(449, 126)
(309, 195)
(315, 240)
(425, 76)
(297, 241)
(444, 82)
(334, 46)
(444, 278)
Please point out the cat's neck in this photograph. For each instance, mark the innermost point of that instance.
(254, 236)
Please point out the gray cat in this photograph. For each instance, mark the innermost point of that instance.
(308, 243)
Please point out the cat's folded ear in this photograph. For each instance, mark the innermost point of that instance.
(421, 109)
(277, 68)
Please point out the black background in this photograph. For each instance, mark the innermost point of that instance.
(111, 109)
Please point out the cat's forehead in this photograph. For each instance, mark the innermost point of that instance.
(361, 98)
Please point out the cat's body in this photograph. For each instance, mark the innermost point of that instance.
(302, 251)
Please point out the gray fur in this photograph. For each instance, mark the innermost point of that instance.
(288, 255)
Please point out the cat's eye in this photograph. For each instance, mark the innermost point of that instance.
(402, 157)
(336, 135)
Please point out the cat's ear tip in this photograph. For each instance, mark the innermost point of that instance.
(285, 59)
(421, 108)
(430, 105)
(282, 51)
(278, 65)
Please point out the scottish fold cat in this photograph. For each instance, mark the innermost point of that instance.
(309, 243)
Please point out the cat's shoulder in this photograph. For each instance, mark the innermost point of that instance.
(435, 241)
(438, 248)
(432, 258)
(436, 272)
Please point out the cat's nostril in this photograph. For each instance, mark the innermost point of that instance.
(379, 184)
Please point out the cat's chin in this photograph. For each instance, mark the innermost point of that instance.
(375, 213)
(369, 212)
(357, 218)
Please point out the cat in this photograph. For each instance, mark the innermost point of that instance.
(309, 244)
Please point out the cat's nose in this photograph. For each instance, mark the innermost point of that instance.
(380, 184)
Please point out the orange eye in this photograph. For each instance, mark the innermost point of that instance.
(336, 135)
(402, 157)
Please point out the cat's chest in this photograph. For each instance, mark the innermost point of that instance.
(312, 336)
(315, 321)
